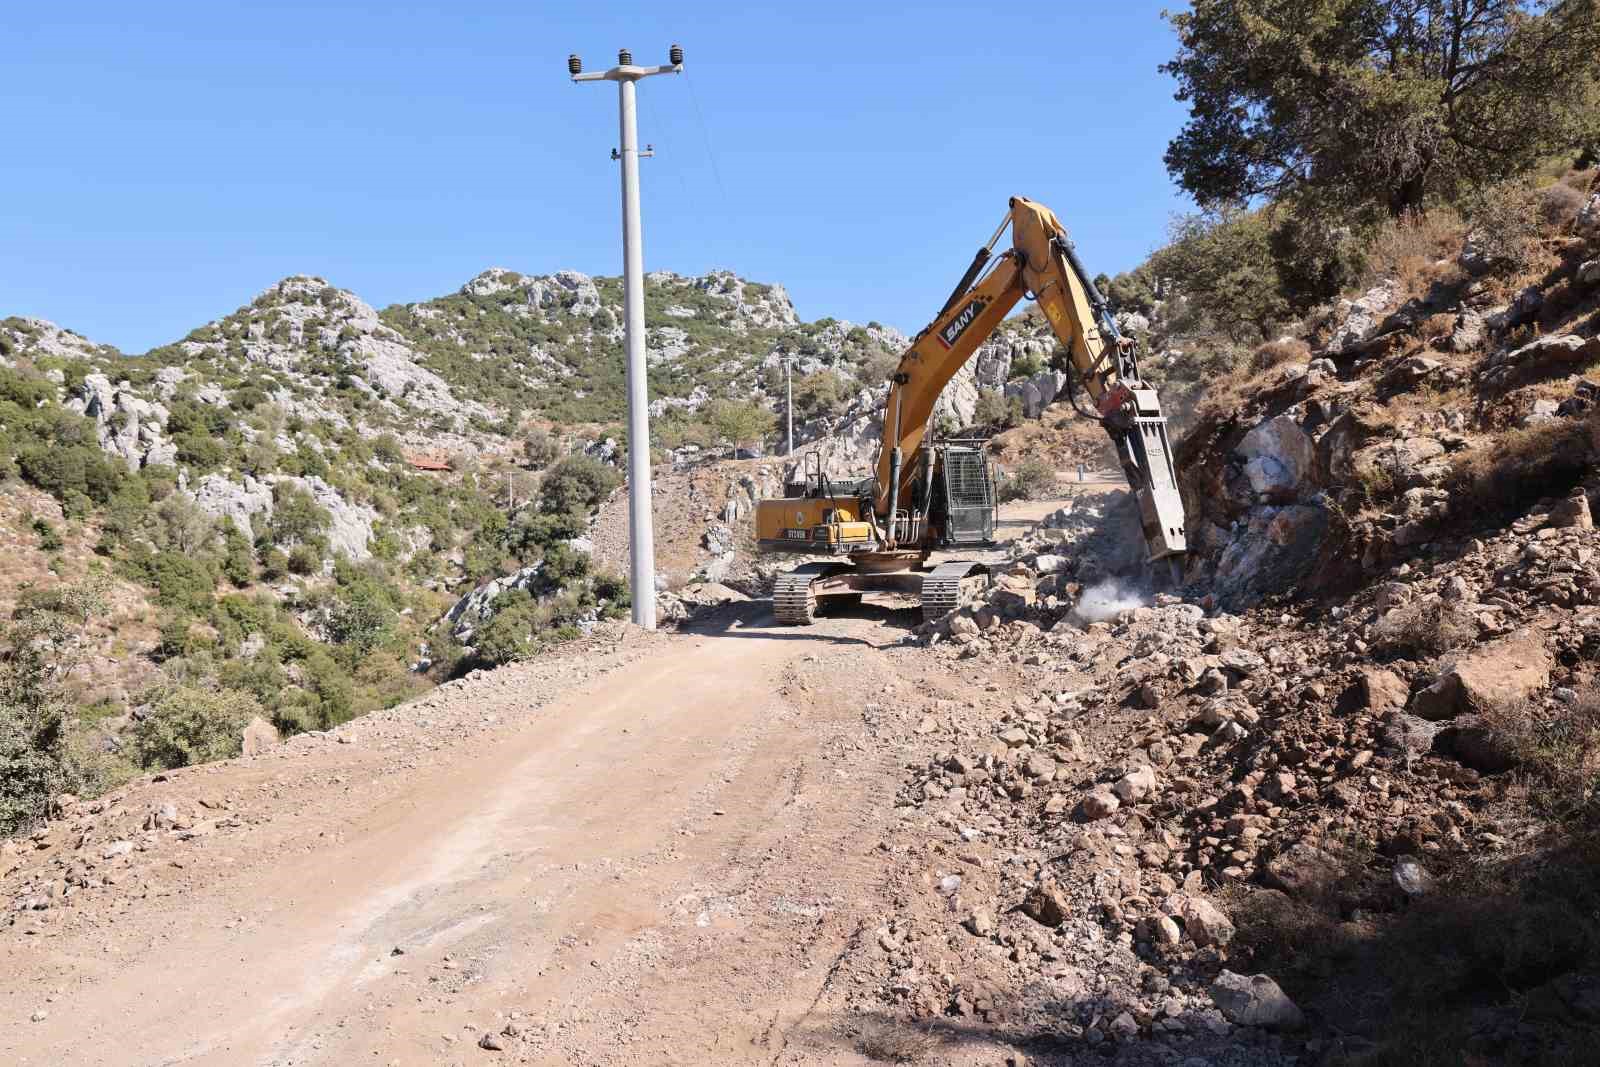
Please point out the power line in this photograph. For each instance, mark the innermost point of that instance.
(705, 133)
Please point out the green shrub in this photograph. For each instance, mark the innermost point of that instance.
(274, 564)
(1026, 366)
(173, 641)
(576, 485)
(614, 595)
(996, 409)
(819, 394)
(539, 448)
(297, 518)
(58, 470)
(237, 560)
(38, 649)
(188, 725)
(361, 617)
(741, 422)
(49, 539)
(1034, 479)
(304, 560)
(521, 625)
(563, 563)
(332, 687)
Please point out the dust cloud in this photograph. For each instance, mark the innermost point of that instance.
(1108, 598)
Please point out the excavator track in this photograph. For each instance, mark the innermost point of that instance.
(941, 589)
(794, 602)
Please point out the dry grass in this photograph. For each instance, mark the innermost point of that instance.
(1582, 180)
(1560, 203)
(1275, 353)
(1414, 981)
(1519, 467)
(1428, 627)
(1559, 748)
(1417, 251)
(1437, 326)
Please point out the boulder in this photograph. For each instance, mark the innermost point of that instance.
(259, 735)
(1493, 677)
(1542, 357)
(477, 607)
(1278, 456)
(1205, 923)
(1360, 318)
(1049, 563)
(1100, 804)
(1380, 690)
(1573, 511)
(1301, 869)
(1047, 903)
(1588, 220)
(1013, 594)
(1255, 1000)
(1136, 785)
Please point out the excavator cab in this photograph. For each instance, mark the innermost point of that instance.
(963, 504)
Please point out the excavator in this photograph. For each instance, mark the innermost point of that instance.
(928, 497)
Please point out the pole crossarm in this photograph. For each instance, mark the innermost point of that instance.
(617, 74)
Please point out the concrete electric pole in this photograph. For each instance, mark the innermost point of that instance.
(788, 404)
(640, 523)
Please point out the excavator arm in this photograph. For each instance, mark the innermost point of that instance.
(1041, 264)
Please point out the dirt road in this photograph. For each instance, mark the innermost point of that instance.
(661, 865)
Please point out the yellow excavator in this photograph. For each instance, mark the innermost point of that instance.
(928, 496)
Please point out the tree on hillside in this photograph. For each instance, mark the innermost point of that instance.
(1223, 268)
(1378, 102)
(741, 422)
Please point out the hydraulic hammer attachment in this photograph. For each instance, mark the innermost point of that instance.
(1146, 456)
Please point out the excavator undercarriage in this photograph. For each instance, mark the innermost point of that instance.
(952, 510)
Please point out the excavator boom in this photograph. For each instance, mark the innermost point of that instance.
(1043, 264)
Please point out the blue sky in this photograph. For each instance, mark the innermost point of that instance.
(164, 162)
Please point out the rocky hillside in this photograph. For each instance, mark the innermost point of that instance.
(1339, 797)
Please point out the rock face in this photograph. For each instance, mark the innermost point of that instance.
(474, 609)
(1539, 358)
(45, 338)
(244, 503)
(126, 424)
(350, 532)
(1362, 317)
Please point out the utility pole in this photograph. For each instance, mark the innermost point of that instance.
(788, 404)
(641, 526)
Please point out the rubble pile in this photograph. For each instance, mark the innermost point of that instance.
(1394, 556)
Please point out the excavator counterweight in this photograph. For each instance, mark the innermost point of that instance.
(926, 496)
